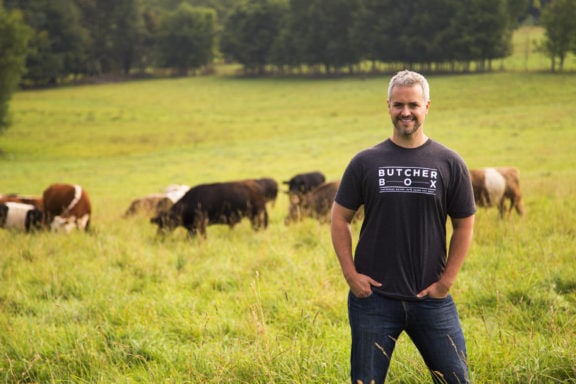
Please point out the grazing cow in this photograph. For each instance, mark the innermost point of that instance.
(217, 203)
(20, 216)
(175, 191)
(151, 205)
(66, 207)
(494, 186)
(36, 201)
(305, 182)
(316, 203)
(269, 187)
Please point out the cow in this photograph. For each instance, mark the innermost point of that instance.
(216, 203)
(316, 203)
(150, 205)
(494, 186)
(175, 191)
(153, 204)
(304, 182)
(36, 201)
(20, 216)
(269, 187)
(66, 206)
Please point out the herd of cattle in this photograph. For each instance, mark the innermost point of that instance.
(64, 207)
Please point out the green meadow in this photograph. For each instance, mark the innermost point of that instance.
(119, 305)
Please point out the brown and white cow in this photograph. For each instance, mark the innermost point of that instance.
(495, 186)
(175, 191)
(155, 203)
(216, 203)
(66, 206)
(20, 216)
(150, 205)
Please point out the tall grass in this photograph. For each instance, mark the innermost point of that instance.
(120, 305)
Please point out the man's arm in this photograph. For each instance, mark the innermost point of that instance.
(360, 285)
(460, 241)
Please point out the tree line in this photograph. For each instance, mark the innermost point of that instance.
(48, 42)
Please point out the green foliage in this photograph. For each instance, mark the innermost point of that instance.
(251, 31)
(14, 36)
(559, 20)
(121, 305)
(78, 38)
(57, 48)
(186, 38)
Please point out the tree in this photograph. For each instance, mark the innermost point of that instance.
(250, 33)
(57, 47)
(324, 29)
(186, 38)
(14, 37)
(423, 31)
(491, 28)
(559, 21)
(116, 34)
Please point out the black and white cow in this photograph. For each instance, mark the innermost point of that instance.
(20, 216)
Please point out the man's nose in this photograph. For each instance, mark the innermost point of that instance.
(405, 111)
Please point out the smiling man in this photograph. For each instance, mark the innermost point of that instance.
(402, 269)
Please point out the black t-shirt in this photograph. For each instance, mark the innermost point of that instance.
(407, 196)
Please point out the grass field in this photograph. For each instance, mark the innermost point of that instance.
(118, 305)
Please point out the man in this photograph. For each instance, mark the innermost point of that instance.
(402, 271)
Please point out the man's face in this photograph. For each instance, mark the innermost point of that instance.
(408, 108)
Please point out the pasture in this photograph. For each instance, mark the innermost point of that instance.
(120, 305)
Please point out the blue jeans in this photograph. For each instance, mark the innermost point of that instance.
(432, 324)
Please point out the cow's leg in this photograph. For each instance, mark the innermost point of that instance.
(517, 204)
(202, 227)
(260, 220)
(83, 222)
(502, 207)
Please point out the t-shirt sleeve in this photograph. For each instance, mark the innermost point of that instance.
(461, 196)
(349, 193)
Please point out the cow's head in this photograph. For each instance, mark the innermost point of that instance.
(34, 219)
(166, 222)
(63, 224)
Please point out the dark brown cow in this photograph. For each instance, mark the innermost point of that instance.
(304, 182)
(315, 203)
(217, 203)
(36, 201)
(66, 206)
(269, 187)
(150, 206)
(493, 187)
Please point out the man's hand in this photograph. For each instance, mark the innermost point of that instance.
(361, 285)
(437, 290)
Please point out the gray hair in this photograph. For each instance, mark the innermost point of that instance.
(408, 78)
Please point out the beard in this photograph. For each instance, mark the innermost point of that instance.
(406, 126)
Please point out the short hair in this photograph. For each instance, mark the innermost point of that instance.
(408, 78)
